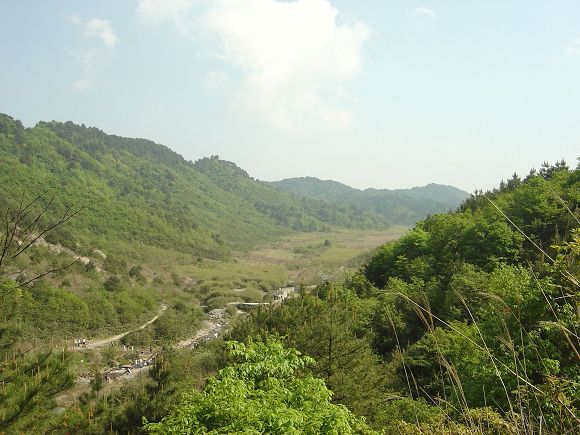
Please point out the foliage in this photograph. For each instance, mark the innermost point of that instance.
(144, 192)
(112, 284)
(152, 395)
(401, 206)
(479, 311)
(263, 389)
(474, 314)
(326, 328)
(29, 380)
(181, 320)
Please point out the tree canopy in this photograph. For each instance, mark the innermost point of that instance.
(264, 388)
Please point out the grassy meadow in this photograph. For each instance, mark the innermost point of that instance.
(312, 257)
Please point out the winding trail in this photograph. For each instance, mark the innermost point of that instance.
(209, 330)
(100, 343)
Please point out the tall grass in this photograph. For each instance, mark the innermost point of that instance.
(520, 417)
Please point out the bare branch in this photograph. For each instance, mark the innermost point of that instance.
(65, 217)
(13, 221)
(23, 212)
(28, 230)
(53, 270)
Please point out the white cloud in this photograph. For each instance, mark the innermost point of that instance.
(425, 11)
(102, 30)
(573, 49)
(176, 11)
(294, 58)
(99, 40)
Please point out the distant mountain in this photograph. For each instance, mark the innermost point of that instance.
(400, 206)
(143, 192)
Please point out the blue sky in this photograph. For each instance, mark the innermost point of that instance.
(370, 93)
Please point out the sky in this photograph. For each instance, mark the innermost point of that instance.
(373, 93)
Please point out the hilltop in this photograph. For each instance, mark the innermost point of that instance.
(401, 206)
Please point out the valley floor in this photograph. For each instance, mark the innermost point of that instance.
(218, 286)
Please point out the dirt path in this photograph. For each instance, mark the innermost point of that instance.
(209, 330)
(100, 343)
(216, 321)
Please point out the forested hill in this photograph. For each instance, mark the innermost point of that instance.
(468, 324)
(404, 206)
(141, 191)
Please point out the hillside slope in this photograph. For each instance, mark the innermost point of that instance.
(401, 206)
(141, 191)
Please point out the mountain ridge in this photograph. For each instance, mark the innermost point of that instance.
(404, 206)
(148, 193)
(324, 180)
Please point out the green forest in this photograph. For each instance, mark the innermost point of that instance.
(402, 206)
(140, 191)
(467, 324)
(143, 192)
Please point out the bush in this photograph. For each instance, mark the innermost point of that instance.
(113, 283)
(135, 271)
(115, 266)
